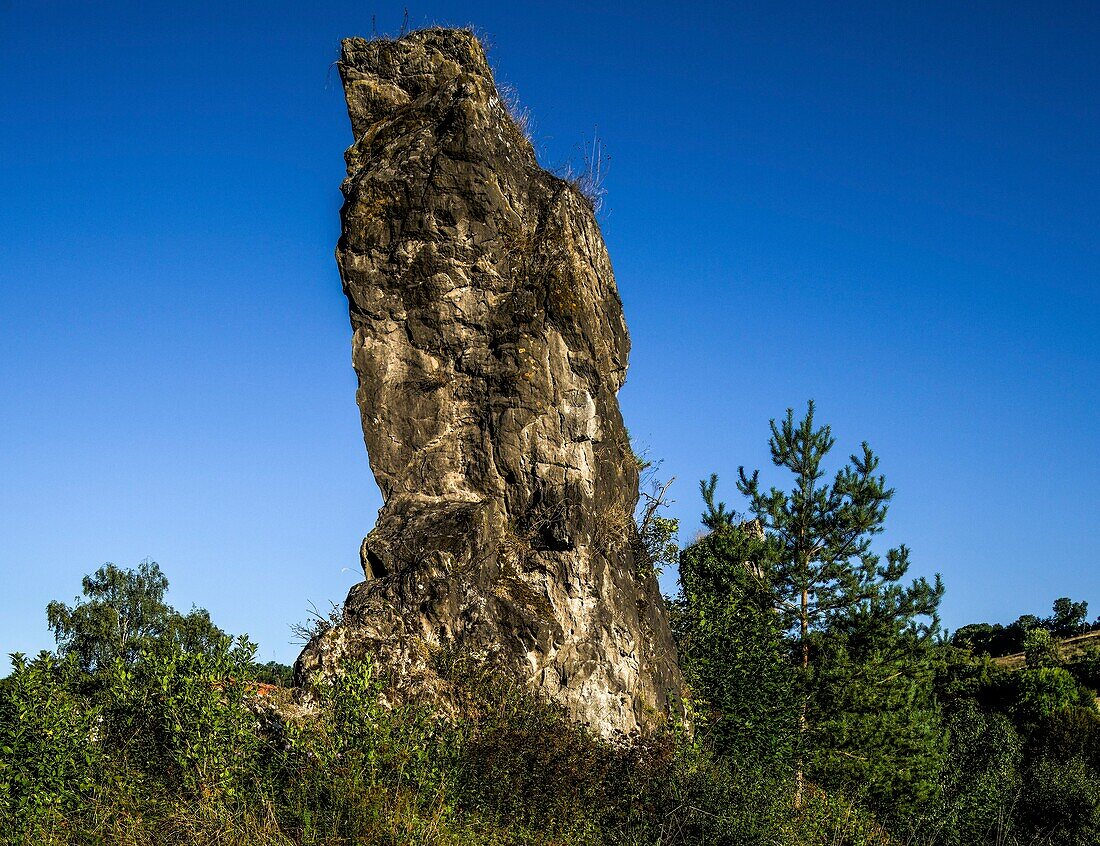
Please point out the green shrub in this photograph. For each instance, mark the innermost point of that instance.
(1060, 805)
(183, 753)
(174, 744)
(1085, 667)
(523, 760)
(733, 652)
(1042, 691)
(1042, 650)
(831, 818)
(981, 780)
(48, 755)
(184, 716)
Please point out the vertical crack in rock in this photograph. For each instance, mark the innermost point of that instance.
(490, 344)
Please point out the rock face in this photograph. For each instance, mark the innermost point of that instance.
(490, 343)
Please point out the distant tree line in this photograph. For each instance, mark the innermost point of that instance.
(1067, 619)
(123, 615)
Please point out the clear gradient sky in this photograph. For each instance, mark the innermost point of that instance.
(893, 208)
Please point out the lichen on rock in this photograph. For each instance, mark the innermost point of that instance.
(490, 344)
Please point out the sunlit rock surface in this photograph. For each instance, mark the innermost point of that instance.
(490, 343)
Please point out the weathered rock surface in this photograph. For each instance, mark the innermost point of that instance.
(490, 343)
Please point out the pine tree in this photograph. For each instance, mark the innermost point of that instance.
(830, 587)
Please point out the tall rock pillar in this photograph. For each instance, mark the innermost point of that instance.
(490, 344)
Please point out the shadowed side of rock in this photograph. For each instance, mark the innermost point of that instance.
(490, 345)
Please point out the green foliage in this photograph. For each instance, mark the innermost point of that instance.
(1085, 668)
(658, 541)
(830, 818)
(803, 650)
(1053, 780)
(275, 673)
(733, 651)
(1061, 803)
(555, 784)
(1043, 691)
(1068, 617)
(964, 678)
(690, 794)
(861, 639)
(981, 780)
(1041, 650)
(874, 728)
(1024, 765)
(184, 713)
(175, 749)
(825, 567)
(1060, 800)
(48, 761)
(122, 615)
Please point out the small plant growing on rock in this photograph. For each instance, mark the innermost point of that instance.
(588, 177)
(317, 622)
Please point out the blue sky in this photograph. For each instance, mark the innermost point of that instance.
(891, 208)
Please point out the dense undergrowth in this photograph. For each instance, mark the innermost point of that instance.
(184, 748)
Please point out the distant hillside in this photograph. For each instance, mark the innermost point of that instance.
(1070, 646)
